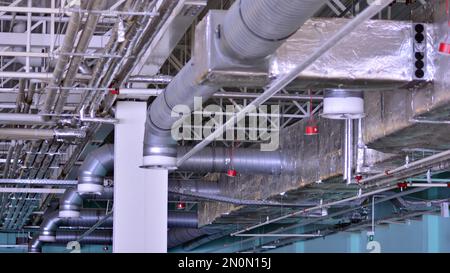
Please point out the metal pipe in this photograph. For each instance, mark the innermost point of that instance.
(63, 237)
(178, 236)
(148, 92)
(32, 190)
(52, 221)
(46, 182)
(85, 39)
(39, 134)
(95, 238)
(24, 119)
(107, 12)
(158, 79)
(411, 165)
(8, 159)
(195, 186)
(63, 60)
(182, 219)
(330, 204)
(252, 30)
(245, 161)
(42, 76)
(236, 201)
(348, 151)
(100, 222)
(279, 235)
(284, 80)
(361, 147)
(93, 218)
(335, 214)
(94, 168)
(71, 202)
(29, 97)
(20, 96)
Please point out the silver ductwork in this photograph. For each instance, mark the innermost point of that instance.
(71, 202)
(252, 30)
(52, 221)
(40, 134)
(95, 238)
(24, 119)
(87, 218)
(63, 237)
(221, 159)
(195, 186)
(94, 168)
(35, 245)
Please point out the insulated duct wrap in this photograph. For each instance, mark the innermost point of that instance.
(381, 55)
(245, 161)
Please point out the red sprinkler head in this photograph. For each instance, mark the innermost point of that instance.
(231, 173)
(311, 130)
(181, 205)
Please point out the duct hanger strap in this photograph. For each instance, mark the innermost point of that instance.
(256, 34)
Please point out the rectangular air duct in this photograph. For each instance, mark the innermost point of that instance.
(378, 55)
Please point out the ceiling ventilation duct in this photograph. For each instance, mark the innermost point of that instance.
(243, 37)
(94, 169)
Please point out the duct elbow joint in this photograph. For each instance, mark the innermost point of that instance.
(88, 184)
(160, 157)
(160, 150)
(70, 204)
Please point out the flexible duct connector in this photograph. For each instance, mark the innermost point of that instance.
(245, 161)
(94, 168)
(159, 146)
(71, 202)
(253, 30)
(182, 219)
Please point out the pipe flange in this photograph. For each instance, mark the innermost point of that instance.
(87, 188)
(343, 104)
(47, 238)
(69, 214)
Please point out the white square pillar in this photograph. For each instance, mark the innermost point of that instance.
(140, 195)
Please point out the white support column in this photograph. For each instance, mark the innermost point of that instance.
(140, 195)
